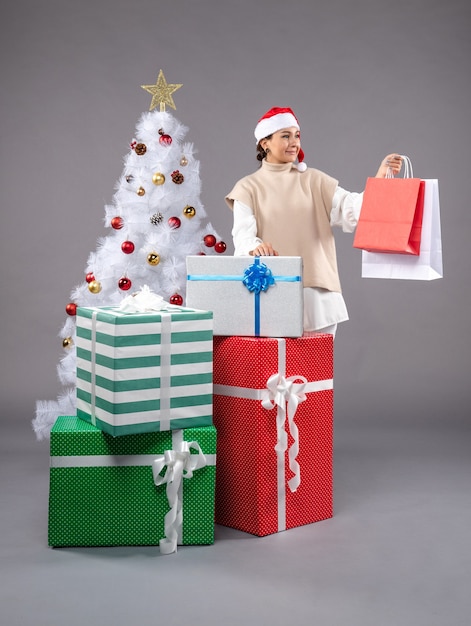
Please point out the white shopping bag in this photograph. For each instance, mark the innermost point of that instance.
(428, 265)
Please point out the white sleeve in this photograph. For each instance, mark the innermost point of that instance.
(244, 230)
(346, 207)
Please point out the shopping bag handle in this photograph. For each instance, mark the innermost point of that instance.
(408, 171)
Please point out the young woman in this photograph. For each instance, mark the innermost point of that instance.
(288, 209)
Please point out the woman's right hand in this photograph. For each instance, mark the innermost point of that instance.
(264, 249)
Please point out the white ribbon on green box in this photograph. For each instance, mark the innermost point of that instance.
(180, 463)
(285, 394)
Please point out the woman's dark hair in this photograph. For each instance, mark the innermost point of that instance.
(261, 153)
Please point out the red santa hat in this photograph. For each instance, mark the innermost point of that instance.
(276, 119)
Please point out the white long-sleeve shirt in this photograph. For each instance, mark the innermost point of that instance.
(322, 308)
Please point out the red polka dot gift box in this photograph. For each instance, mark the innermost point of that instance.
(145, 489)
(273, 411)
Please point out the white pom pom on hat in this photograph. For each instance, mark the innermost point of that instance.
(275, 119)
(302, 167)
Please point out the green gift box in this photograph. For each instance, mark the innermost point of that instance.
(144, 372)
(144, 489)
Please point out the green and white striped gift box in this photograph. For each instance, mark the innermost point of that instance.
(144, 372)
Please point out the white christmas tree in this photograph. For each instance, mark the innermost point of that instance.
(156, 220)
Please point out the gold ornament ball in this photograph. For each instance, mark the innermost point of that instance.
(183, 161)
(158, 178)
(153, 258)
(67, 342)
(94, 286)
(189, 211)
(141, 191)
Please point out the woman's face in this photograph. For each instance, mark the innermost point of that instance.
(283, 147)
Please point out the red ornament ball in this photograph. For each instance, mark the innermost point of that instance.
(174, 222)
(165, 140)
(127, 247)
(209, 240)
(90, 277)
(117, 223)
(176, 299)
(220, 247)
(124, 283)
(71, 308)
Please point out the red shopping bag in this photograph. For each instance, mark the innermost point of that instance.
(429, 264)
(391, 216)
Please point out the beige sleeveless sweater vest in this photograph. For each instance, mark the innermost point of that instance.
(292, 211)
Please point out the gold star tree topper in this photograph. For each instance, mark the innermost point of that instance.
(161, 93)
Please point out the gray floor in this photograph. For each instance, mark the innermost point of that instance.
(396, 553)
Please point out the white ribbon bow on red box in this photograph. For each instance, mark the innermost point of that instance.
(283, 393)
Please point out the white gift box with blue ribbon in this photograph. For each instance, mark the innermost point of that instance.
(249, 296)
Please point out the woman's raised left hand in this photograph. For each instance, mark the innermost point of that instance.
(391, 164)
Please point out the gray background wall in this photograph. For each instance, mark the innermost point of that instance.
(364, 78)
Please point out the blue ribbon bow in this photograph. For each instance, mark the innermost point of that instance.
(258, 277)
